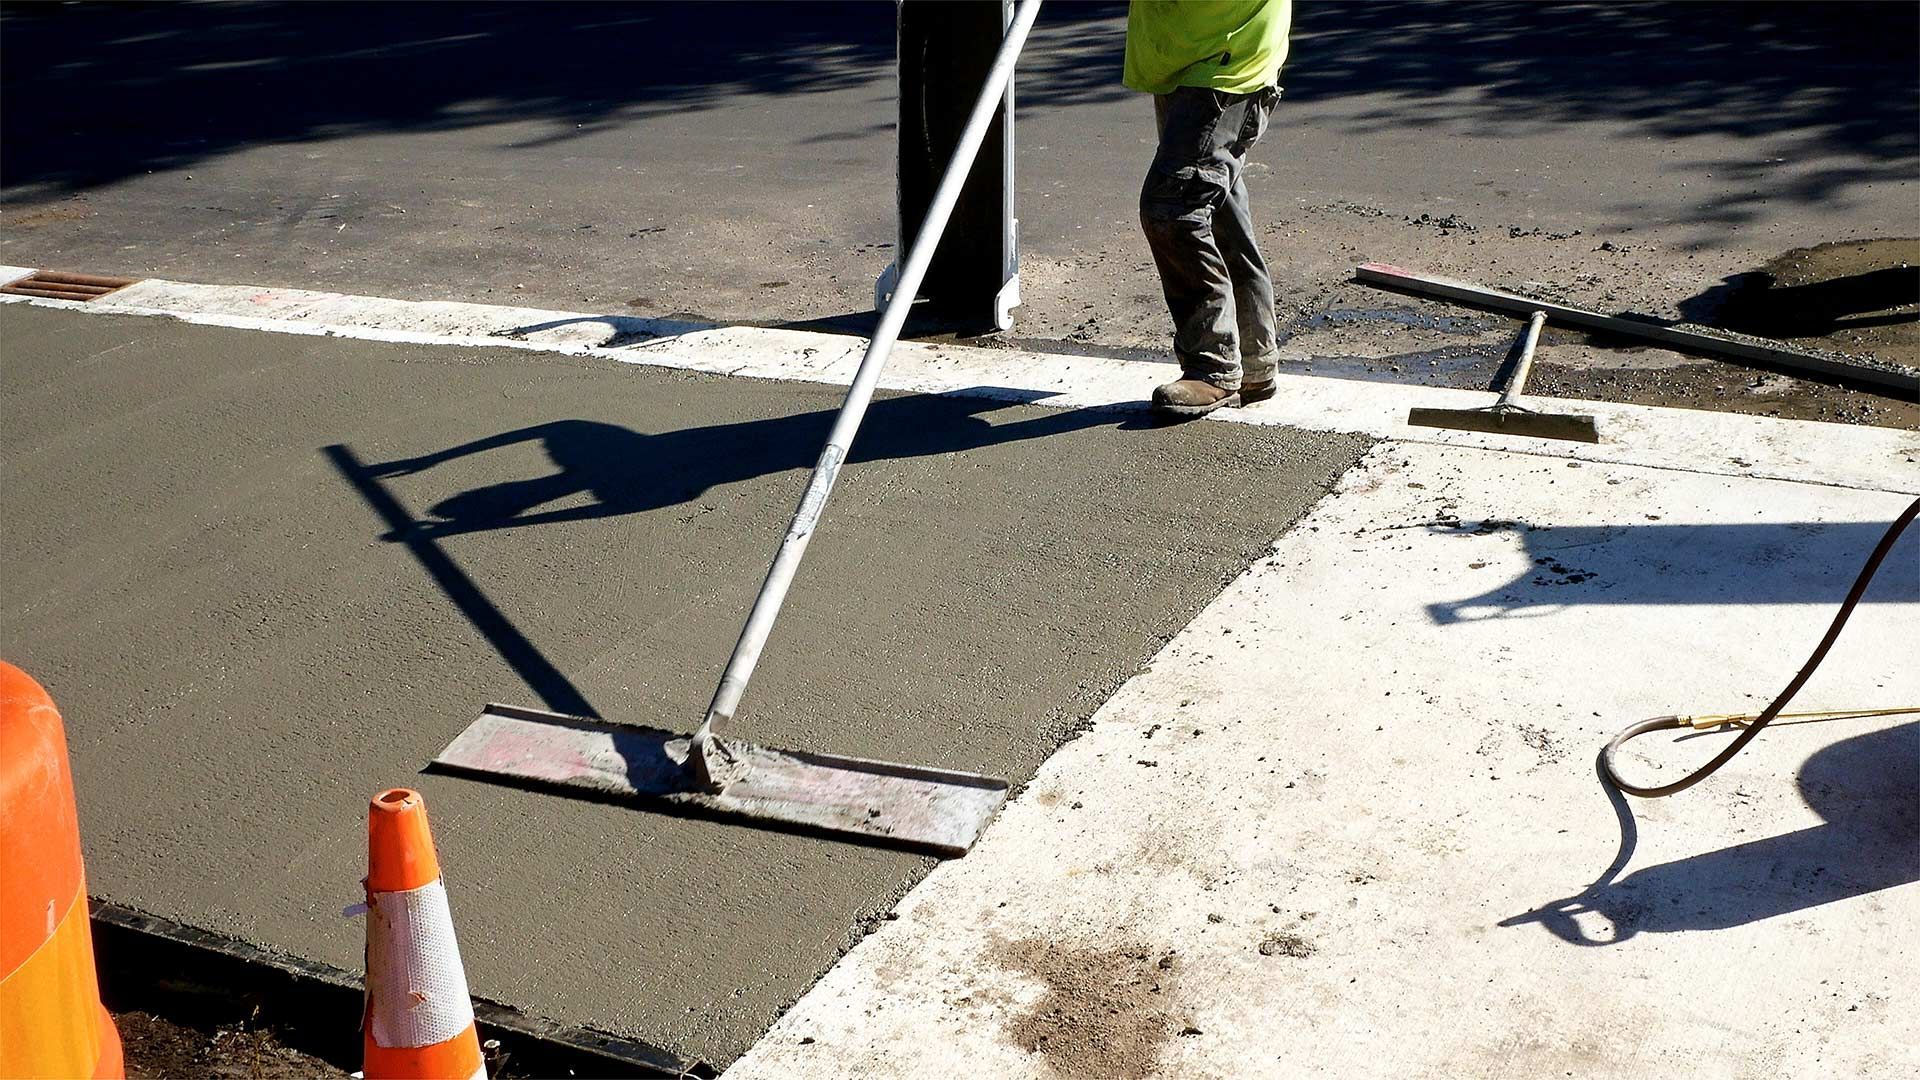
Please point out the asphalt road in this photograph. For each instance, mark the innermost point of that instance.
(735, 162)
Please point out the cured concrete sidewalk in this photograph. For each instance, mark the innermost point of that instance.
(1349, 825)
(1347, 821)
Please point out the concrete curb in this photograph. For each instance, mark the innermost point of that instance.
(1724, 444)
(316, 1007)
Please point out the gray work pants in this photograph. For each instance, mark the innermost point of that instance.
(1194, 210)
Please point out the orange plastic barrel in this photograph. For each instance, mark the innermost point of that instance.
(51, 1021)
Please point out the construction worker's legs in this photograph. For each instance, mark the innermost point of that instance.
(1195, 213)
(1252, 284)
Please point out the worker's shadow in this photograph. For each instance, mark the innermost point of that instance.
(623, 471)
(1867, 789)
(1756, 303)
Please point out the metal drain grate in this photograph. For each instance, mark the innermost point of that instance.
(59, 286)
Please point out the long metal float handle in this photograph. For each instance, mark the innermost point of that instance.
(773, 592)
(1517, 382)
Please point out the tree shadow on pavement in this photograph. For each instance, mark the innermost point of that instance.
(188, 82)
(92, 94)
(1806, 85)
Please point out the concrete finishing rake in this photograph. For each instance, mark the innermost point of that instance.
(1507, 416)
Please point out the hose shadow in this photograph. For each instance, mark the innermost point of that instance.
(1863, 786)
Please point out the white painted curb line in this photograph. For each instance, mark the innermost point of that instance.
(1684, 439)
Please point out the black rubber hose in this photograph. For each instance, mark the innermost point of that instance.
(1766, 715)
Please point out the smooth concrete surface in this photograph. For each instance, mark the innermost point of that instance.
(245, 655)
(1348, 824)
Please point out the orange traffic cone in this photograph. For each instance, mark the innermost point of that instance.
(51, 1019)
(419, 1018)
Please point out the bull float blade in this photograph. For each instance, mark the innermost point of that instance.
(878, 802)
(1568, 427)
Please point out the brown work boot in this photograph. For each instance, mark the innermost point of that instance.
(1252, 391)
(1193, 397)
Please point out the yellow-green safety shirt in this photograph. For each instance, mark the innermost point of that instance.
(1232, 45)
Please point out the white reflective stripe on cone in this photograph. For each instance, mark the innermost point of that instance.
(414, 976)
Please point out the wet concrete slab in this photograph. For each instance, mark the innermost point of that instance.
(246, 650)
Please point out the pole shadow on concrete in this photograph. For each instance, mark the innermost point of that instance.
(1802, 562)
(633, 330)
(1870, 841)
(625, 330)
(629, 472)
(526, 659)
(653, 777)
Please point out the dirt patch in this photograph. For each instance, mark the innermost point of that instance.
(1727, 388)
(1542, 742)
(51, 214)
(161, 1048)
(1284, 944)
(1105, 1014)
